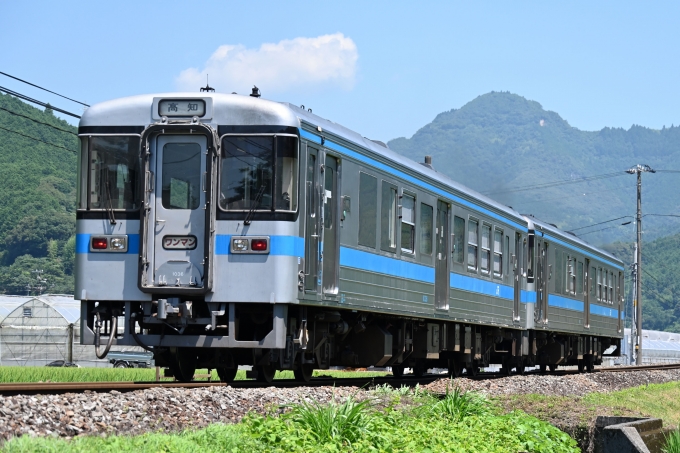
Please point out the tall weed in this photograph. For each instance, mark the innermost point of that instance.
(672, 444)
(457, 405)
(338, 423)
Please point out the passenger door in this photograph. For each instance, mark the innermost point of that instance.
(178, 215)
(330, 237)
(312, 222)
(442, 280)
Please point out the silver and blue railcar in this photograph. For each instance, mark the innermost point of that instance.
(222, 230)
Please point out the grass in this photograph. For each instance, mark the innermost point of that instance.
(672, 444)
(654, 400)
(460, 422)
(12, 374)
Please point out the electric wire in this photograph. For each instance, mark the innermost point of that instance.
(35, 101)
(595, 231)
(601, 223)
(39, 122)
(558, 183)
(44, 89)
(39, 140)
(574, 195)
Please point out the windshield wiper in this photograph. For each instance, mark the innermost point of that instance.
(109, 203)
(255, 205)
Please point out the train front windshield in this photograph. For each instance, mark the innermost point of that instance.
(259, 173)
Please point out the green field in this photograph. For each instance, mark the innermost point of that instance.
(13, 374)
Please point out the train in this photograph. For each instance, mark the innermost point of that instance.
(217, 230)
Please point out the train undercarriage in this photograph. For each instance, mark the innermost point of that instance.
(185, 335)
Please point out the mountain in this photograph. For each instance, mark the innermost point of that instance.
(501, 142)
(37, 209)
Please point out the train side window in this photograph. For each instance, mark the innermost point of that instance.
(408, 223)
(579, 279)
(498, 253)
(388, 208)
(559, 272)
(525, 253)
(571, 275)
(472, 244)
(507, 253)
(611, 288)
(458, 239)
(600, 296)
(426, 224)
(368, 209)
(329, 205)
(486, 249)
(115, 177)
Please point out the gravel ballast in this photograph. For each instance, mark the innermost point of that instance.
(175, 409)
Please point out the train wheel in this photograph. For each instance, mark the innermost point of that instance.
(398, 371)
(419, 368)
(520, 368)
(590, 366)
(581, 366)
(471, 371)
(227, 374)
(182, 363)
(505, 370)
(553, 368)
(454, 368)
(303, 372)
(266, 373)
(542, 368)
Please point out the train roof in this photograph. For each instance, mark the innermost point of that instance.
(543, 227)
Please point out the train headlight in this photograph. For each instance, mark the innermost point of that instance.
(118, 244)
(239, 245)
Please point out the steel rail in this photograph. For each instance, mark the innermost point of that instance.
(79, 387)
(33, 388)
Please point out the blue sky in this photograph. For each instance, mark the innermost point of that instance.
(384, 69)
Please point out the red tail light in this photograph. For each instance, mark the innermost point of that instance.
(99, 243)
(259, 245)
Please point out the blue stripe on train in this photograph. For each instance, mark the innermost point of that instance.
(371, 262)
(475, 285)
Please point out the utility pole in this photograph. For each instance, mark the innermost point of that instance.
(639, 169)
(633, 314)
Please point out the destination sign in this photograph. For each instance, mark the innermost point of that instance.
(181, 107)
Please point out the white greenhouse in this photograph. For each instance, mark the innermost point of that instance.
(37, 330)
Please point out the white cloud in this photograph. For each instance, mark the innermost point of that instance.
(276, 67)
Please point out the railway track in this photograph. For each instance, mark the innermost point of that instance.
(407, 380)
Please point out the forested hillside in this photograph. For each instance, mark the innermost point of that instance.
(37, 209)
(500, 142)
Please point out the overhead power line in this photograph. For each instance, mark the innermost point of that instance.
(35, 101)
(38, 140)
(559, 183)
(601, 223)
(44, 89)
(39, 122)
